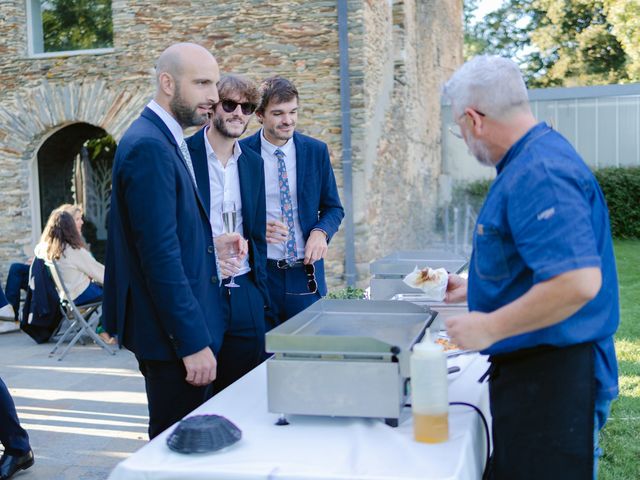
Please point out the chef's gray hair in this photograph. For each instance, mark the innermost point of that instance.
(489, 84)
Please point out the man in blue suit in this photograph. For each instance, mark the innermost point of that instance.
(227, 173)
(303, 206)
(161, 290)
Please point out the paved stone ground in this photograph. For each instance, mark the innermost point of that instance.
(84, 414)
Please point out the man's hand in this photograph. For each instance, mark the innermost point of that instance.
(230, 245)
(456, 289)
(277, 232)
(470, 331)
(201, 367)
(229, 267)
(316, 247)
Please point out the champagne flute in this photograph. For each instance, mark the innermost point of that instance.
(283, 220)
(229, 225)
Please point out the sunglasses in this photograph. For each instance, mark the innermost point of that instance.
(312, 285)
(230, 106)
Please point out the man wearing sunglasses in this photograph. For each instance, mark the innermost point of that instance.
(303, 206)
(227, 173)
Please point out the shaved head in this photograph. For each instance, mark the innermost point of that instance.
(186, 76)
(172, 60)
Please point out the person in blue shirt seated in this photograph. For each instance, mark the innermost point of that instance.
(542, 287)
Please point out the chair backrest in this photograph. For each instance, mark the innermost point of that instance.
(63, 292)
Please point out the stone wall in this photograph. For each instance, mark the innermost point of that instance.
(409, 49)
(399, 53)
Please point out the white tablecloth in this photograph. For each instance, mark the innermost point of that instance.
(324, 447)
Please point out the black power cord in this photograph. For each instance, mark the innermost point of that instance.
(487, 437)
(486, 432)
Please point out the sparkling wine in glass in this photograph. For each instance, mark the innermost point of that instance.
(229, 215)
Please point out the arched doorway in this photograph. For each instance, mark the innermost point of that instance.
(74, 166)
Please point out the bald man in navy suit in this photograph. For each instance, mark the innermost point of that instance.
(161, 290)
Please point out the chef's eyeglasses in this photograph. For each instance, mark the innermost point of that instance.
(230, 106)
(454, 128)
(312, 285)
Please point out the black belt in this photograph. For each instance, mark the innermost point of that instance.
(283, 264)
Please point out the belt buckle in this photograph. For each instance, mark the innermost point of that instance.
(283, 264)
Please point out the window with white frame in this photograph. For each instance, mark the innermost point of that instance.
(69, 27)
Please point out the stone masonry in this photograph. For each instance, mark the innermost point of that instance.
(400, 53)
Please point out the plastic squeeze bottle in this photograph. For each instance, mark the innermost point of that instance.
(429, 392)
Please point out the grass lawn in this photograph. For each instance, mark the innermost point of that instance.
(621, 436)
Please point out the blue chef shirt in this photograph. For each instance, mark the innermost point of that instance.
(546, 215)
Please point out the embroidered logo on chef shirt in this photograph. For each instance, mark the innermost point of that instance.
(547, 214)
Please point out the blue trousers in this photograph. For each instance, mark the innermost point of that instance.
(169, 396)
(92, 293)
(288, 294)
(602, 413)
(13, 437)
(243, 344)
(18, 279)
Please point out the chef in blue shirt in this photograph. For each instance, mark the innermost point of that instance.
(542, 287)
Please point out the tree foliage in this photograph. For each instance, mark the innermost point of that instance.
(76, 25)
(562, 42)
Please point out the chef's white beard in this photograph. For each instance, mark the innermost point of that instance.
(480, 151)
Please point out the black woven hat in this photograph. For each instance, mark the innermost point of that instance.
(203, 433)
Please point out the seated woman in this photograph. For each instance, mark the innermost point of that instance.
(82, 274)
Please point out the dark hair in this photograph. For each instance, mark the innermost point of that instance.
(59, 232)
(278, 90)
(238, 84)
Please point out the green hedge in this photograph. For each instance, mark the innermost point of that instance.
(621, 187)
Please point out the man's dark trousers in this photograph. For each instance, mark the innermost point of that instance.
(288, 293)
(13, 437)
(243, 344)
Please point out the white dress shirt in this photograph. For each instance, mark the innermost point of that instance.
(272, 190)
(224, 186)
(171, 123)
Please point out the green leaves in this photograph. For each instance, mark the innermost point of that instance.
(77, 25)
(346, 293)
(563, 42)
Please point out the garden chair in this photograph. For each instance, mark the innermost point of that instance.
(80, 321)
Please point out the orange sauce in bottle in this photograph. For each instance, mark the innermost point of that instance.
(431, 428)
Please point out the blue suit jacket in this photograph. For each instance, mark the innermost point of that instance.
(318, 200)
(254, 215)
(161, 293)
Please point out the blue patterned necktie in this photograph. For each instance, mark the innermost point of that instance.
(187, 159)
(286, 207)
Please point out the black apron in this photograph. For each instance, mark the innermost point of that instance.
(542, 404)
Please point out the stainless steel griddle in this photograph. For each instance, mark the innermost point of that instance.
(344, 358)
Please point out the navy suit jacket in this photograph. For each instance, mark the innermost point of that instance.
(254, 213)
(318, 200)
(161, 293)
